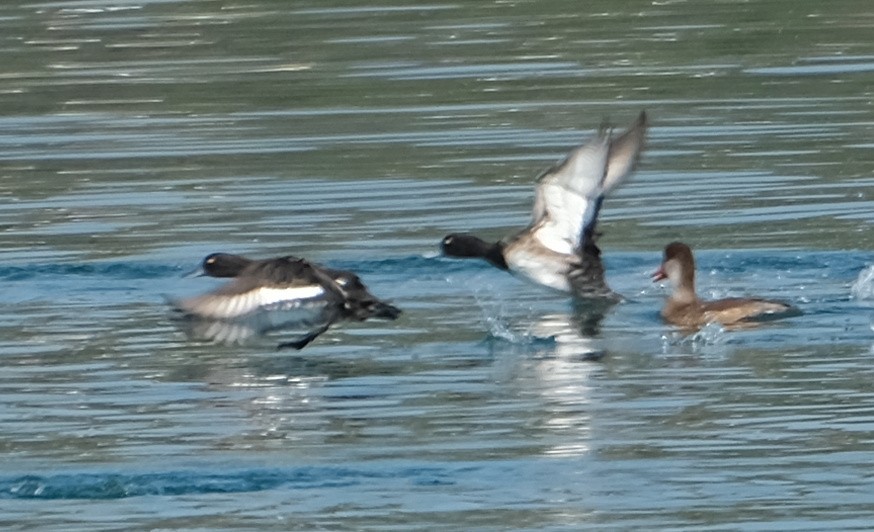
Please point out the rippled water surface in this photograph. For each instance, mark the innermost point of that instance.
(137, 136)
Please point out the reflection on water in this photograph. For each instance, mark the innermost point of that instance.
(136, 137)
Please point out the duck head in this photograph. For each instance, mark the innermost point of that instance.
(678, 267)
(360, 303)
(469, 246)
(223, 265)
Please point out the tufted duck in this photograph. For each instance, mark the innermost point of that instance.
(558, 247)
(276, 294)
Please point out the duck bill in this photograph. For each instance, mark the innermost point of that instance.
(659, 275)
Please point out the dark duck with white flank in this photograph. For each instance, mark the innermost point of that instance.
(683, 308)
(558, 247)
(273, 295)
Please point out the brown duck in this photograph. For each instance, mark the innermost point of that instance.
(683, 307)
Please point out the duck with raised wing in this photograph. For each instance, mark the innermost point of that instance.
(273, 295)
(558, 248)
(683, 307)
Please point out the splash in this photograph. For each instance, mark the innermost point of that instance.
(499, 329)
(495, 315)
(499, 320)
(709, 335)
(863, 288)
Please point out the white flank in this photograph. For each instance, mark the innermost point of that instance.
(542, 269)
(272, 296)
(550, 235)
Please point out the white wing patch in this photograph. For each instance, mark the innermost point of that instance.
(233, 318)
(293, 321)
(229, 307)
(271, 296)
(567, 196)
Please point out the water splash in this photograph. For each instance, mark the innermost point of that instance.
(863, 288)
(499, 328)
(499, 320)
(494, 315)
(712, 334)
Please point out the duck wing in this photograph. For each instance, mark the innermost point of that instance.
(733, 310)
(568, 196)
(269, 296)
(625, 153)
(233, 318)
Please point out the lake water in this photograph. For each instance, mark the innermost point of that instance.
(137, 136)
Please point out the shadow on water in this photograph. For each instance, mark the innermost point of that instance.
(93, 486)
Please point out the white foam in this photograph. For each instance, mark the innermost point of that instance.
(863, 288)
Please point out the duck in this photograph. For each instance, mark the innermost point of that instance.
(558, 248)
(276, 294)
(683, 308)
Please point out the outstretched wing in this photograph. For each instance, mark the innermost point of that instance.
(625, 152)
(274, 295)
(568, 196)
(233, 318)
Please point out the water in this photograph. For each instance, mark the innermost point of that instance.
(138, 136)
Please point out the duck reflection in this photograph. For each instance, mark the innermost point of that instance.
(572, 334)
(562, 378)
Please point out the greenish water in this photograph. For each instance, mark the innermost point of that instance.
(138, 136)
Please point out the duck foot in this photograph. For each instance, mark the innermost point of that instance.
(303, 341)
